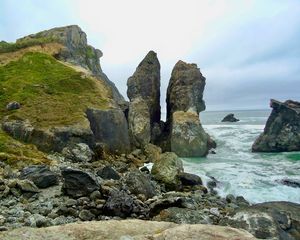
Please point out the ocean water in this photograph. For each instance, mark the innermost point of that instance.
(256, 176)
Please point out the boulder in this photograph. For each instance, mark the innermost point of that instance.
(108, 173)
(27, 186)
(144, 94)
(189, 179)
(118, 204)
(40, 175)
(128, 229)
(282, 130)
(139, 122)
(77, 183)
(152, 152)
(13, 106)
(79, 152)
(167, 170)
(140, 183)
(187, 137)
(110, 128)
(270, 220)
(230, 118)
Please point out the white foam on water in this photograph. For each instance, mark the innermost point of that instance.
(241, 172)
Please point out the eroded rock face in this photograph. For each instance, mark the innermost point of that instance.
(282, 130)
(187, 137)
(110, 128)
(144, 84)
(129, 229)
(271, 220)
(185, 90)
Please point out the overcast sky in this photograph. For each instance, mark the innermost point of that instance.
(248, 50)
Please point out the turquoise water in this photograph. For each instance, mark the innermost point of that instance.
(241, 172)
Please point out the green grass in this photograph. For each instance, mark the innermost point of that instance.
(51, 94)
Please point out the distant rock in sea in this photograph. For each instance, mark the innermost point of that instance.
(230, 118)
(282, 130)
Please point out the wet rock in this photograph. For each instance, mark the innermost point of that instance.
(79, 152)
(271, 220)
(230, 118)
(182, 216)
(145, 84)
(118, 204)
(77, 183)
(13, 106)
(167, 170)
(110, 128)
(139, 183)
(189, 179)
(108, 173)
(290, 182)
(40, 175)
(282, 130)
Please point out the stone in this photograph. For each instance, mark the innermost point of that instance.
(189, 179)
(139, 183)
(282, 130)
(187, 137)
(110, 128)
(230, 118)
(77, 183)
(167, 170)
(145, 83)
(139, 122)
(79, 152)
(295, 183)
(118, 204)
(27, 186)
(270, 220)
(152, 152)
(182, 216)
(128, 230)
(86, 215)
(40, 175)
(108, 173)
(13, 106)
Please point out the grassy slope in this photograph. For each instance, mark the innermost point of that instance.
(50, 93)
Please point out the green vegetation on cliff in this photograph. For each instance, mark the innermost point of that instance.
(50, 93)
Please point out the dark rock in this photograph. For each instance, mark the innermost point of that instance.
(189, 179)
(145, 83)
(108, 173)
(167, 170)
(110, 128)
(118, 204)
(182, 216)
(13, 106)
(145, 169)
(282, 130)
(241, 201)
(230, 118)
(290, 182)
(271, 220)
(40, 175)
(139, 183)
(77, 183)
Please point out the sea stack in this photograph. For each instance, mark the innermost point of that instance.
(185, 101)
(144, 94)
(230, 118)
(282, 130)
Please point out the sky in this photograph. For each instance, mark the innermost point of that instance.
(248, 50)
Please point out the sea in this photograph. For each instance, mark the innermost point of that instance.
(255, 176)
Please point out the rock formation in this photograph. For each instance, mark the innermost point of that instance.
(230, 118)
(186, 136)
(282, 130)
(144, 92)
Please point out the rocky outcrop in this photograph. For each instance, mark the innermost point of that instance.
(144, 84)
(110, 128)
(271, 220)
(76, 51)
(186, 136)
(282, 130)
(167, 170)
(230, 118)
